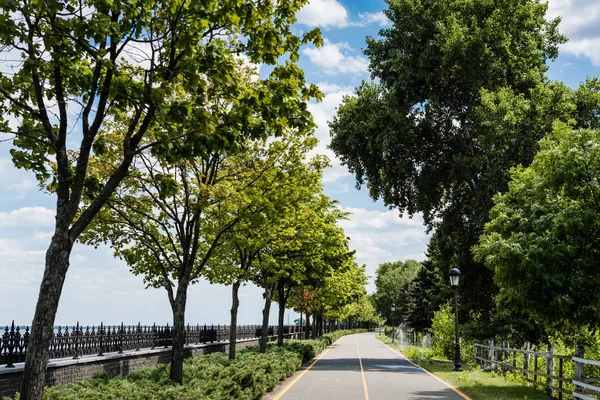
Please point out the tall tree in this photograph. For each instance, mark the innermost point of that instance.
(275, 209)
(393, 281)
(420, 137)
(321, 250)
(345, 286)
(168, 220)
(73, 76)
(424, 297)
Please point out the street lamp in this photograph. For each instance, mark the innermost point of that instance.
(379, 322)
(393, 326)
(454, 278)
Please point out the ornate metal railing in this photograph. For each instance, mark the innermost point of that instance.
(77, 340)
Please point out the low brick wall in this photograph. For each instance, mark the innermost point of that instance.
(66, 371)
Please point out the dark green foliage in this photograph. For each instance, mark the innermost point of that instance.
(543, 240)
(212, 377)
(393, 281)
(424, 297)
(459, 97)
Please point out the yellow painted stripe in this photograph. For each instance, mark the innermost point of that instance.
(461, 394)
(292, 383)
(362, 371)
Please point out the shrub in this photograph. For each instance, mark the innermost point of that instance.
(211, 377)
(442, 328)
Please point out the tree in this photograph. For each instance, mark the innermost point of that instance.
(344, 287)
(360, 310)
(310, 247)
(322, 251)
(275, 208)
(423, 297)
(427, 137)
(168, 221)
(543, 235)
(393, 281)
(74, 76)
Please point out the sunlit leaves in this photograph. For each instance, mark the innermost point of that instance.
(542, 239)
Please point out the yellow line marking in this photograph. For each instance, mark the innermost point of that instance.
(461, 394)
(362, 371)
(292, 383)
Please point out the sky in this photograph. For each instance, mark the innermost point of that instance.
(101, 288)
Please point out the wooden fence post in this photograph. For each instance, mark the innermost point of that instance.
(526, 359)
(477, 352)
(579, 376)
(550, 369)
(560, 382)
(535, 368)
(491, 354)
(504, 353)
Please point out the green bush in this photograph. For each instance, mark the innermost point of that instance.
(211, 377)
(442, 328)
(418, 353)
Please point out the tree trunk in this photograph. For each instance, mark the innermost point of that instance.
(281, 292)
(265, 322)
(320, 331)
(42, 327)
(306, 331)
(301, 330)
(235, 304)
(313, 333)
(177, 356)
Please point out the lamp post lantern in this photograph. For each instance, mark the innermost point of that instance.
(454, 278)
(393, 326)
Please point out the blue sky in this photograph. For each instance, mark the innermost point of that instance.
(100, 288)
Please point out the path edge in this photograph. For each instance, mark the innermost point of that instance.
(448, 384)
(283, 386)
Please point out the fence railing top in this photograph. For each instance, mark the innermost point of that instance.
(584, 361)
(511, 350)
(587, 386)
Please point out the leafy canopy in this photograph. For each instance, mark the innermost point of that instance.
(543, 235)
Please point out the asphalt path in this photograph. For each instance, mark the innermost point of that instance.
(359, 367)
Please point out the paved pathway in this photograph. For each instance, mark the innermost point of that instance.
(359, 367)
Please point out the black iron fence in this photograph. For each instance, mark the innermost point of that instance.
(77, 340)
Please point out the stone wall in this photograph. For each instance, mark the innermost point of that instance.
(66, 371)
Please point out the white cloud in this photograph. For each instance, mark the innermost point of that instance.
(382, 236)
(325, 13)
(324, 112)
(27, 217)
(580, 20)
(333, 58)
(331, 13)
(379, 18)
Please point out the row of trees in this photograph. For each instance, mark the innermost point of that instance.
(459, 109)
(149, 124)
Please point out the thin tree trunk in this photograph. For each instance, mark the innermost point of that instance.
(281, 293)
(301, 336)
(235, 304)
(177, 356)
(42, 328)
(306, 331)
(320, 331)
(265, 322)
(313, 333)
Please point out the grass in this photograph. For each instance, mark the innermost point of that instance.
(475, 383)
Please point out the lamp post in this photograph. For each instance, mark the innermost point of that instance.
(454, 278)
(393, 326)
(379, 322)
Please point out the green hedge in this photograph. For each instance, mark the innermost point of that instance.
(211, 377)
